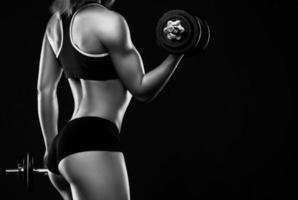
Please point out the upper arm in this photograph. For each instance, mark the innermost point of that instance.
(49, 70)
(128, 63)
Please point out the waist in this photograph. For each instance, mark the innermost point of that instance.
(96, 120)
(106, 110)
(115, 122)
(106, 99)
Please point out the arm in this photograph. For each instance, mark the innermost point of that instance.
(48, 78)
(128, 63)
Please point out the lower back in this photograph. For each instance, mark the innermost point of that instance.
(106, 99)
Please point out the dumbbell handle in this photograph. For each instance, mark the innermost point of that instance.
(8, 171)
(40, 171)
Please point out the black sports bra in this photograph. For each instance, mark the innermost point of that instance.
(79, 65)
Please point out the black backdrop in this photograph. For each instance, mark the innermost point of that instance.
(222, 128)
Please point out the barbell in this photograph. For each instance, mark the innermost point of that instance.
(179, 32)
(26, 171)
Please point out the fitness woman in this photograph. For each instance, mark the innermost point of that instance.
(91, 45)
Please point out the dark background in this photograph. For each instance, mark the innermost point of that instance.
(224, 126)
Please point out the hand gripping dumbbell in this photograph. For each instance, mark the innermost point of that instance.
(26, 171)
(179, 32)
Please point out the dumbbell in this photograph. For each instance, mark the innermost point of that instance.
(179, 32)
(26, 171)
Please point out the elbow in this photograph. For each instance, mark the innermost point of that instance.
(143, 93)
(41, 90)
(144, 98)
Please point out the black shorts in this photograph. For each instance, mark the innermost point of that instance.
(83, 134)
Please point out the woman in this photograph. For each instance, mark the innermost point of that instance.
(91, 44)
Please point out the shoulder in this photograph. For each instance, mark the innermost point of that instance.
(53, 24)
(103, 19)
(110, 27)
(95, 10)
(54, 32)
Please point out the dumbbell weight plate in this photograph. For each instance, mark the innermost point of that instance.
(25, 171)
(29, 170)
(190, 37)
(205, 35)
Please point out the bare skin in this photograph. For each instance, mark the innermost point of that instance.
(97, 31)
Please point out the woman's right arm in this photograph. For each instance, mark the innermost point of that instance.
(128, 62)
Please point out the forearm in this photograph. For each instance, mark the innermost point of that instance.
(155, 80)
(48, 115)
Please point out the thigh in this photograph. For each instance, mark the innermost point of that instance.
(61, 185)
(96, 175)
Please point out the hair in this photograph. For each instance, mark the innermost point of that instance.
(67, 6)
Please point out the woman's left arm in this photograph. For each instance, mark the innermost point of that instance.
(48, 77)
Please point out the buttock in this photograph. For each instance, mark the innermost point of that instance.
(83, 134)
